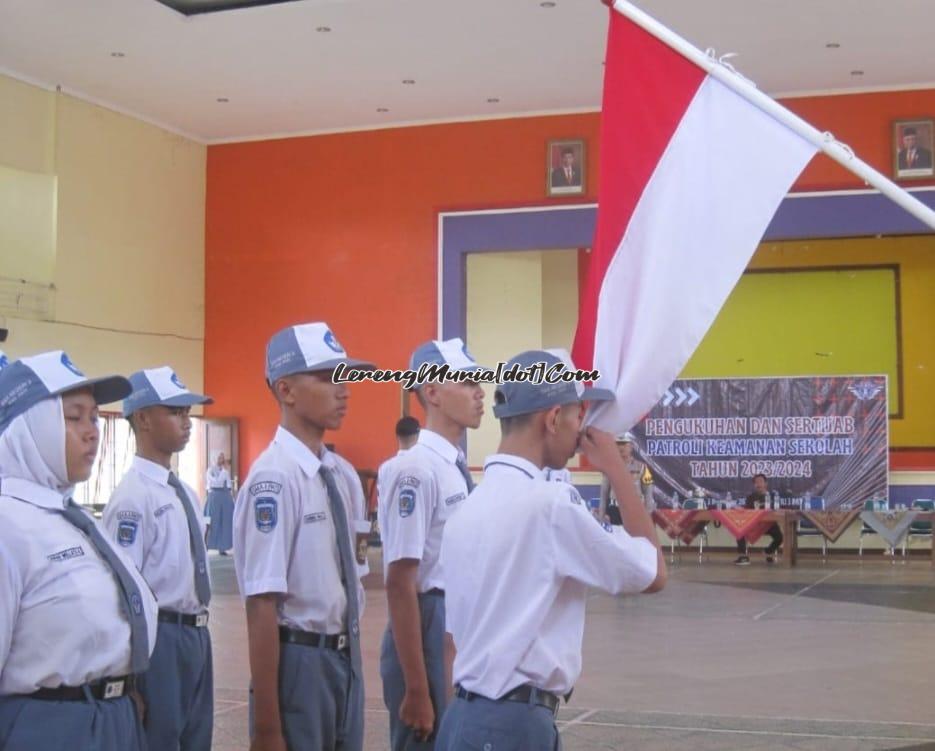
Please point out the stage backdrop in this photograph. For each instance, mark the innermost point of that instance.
(826, 436)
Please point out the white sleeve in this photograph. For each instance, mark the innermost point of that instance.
(264, 527)
(126, 520)
(11, 590)
(407, 499)
(596, 554)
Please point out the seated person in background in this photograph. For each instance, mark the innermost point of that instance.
(757, 499)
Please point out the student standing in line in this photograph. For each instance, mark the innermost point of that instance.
(77, 621)
(418, 491)
(154, 517)
(294, 521)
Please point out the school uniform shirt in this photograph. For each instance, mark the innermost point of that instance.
(518, 559)
(418, 492)
(284, 534)
(217, 478)
(146, 520)
(61, 609)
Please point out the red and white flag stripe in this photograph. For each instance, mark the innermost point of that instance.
(691, 175)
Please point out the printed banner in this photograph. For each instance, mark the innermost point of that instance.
(823, 437)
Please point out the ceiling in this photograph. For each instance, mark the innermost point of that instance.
(281, 72)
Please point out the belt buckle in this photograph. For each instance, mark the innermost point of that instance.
(114, 689)
(342, 641)
(201, 620)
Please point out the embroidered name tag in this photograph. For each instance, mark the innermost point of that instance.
(265, 487)
(162, 509)
(318, 516)
(457, 498)
(64, 555)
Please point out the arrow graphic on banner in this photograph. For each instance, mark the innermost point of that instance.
(687, 396)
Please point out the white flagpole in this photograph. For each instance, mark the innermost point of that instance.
(823, 141)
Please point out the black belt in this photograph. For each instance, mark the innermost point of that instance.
(104, 688)
(526, 694)
(184, 619)
(434, 592)
(339, 642)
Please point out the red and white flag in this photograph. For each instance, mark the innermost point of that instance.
(691, 175)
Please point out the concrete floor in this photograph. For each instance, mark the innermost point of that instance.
(833, 656)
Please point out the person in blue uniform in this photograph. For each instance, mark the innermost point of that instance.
(77, 621)
(294, 523)
(219, 507)
(155, 518)
(418, 491)
(519, 559)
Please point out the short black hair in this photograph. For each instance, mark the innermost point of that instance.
(407, 426)
(568, 150)
(760, 474)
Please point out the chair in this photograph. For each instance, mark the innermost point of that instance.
(918, 528)
(693, 505)
(805, 528)
(865, 529)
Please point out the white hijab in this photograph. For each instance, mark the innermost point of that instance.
(33, 446)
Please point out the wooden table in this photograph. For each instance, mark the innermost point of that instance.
(787, 519)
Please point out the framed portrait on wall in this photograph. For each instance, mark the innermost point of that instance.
(565, 168)
(912, 149)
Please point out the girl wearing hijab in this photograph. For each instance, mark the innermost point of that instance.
(219, 507)
(77, 622)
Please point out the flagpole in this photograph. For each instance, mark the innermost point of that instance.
(822, 141)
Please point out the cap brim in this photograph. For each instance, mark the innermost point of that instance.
(186, 400)
(598, 395)
(106, 389)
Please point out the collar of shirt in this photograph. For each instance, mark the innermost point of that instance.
(30, 492)
(302, 454)
(516, 463)
(155, 472)
(441, 446)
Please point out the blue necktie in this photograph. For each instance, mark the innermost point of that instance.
(132, 599)
(196, 543)
(348, 567)
(461, 463)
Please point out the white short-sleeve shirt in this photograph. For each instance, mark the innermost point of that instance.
(518, 560)
(418, 491)
(61, 609)
(284, 535)
(145, 518)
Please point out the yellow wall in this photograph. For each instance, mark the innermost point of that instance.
(915, 257)
(529, 299)
(128, 270)
(793, 323)
(517, 301)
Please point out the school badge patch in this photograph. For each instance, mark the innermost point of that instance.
(126, 532)
(407, 502)
(265, 512)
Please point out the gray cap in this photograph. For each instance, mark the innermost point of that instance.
(515, 398)
(450, 352)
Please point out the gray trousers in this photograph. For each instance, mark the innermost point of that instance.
(321, 701)
(497, 726)
(178, 689)
(432, 613)
(34, 724)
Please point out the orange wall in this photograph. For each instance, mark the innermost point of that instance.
(342, 228)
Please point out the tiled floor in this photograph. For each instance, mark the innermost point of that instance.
(831, 656)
